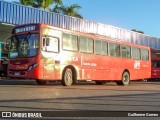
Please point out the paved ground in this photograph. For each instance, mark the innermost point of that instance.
(26, 95)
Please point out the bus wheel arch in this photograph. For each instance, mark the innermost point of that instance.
(125, 78)
(69, 76)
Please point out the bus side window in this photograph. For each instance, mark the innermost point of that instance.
(86, 45)
(125, 51)
(114, 49)
(144, 54)
(52, 44)
(136, 54)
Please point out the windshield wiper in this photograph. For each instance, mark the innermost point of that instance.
(28, 36)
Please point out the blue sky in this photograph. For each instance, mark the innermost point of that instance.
(142, 15)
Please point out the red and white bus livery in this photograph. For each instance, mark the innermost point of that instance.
(47, 53)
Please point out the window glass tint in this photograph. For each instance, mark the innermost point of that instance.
(114, 49)
(144, 54)
(135, 53)
(83, 44)
(52, 44)
(90, 45)
(104, 48)
(125, 51)
(70, 42)
(156, 63)
(100, 47)
(86, 45)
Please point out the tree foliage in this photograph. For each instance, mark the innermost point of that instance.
(24, 2)
(68, 10)
(45, 4)
(137, 31)
(58, 6)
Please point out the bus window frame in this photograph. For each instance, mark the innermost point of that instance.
(101, 46)
(132, 53)
(124, 45)
(119, 56)
(77, 42)
(93, 40)
(142, 54)
(45, 50)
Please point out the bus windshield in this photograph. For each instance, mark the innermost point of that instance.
(24, 46)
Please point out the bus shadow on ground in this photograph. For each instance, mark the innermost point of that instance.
(8, 81)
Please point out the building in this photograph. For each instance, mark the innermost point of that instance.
(14, 14)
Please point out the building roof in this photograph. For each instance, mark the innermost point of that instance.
(18, 14)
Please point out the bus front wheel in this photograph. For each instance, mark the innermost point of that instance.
(41, 82)
(125, 79)
(67, 78)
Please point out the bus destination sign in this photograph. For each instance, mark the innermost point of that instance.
(25, 28)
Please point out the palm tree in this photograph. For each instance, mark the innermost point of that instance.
(55, 9)
(137, 31)
(24, 2)
(68, 10)
(45, 4)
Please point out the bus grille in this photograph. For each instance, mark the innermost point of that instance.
(18, 62)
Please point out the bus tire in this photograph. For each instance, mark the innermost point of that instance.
(99, 82)
(41, 82)
(125, 79)
(67, 77)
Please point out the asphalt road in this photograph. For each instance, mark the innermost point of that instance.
(26, 95)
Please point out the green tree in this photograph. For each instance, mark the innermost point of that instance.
(24, 2)
(45, 4)
(68, 10)
(58, 8)
(137, 31)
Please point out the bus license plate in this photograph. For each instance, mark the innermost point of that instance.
(17, 73)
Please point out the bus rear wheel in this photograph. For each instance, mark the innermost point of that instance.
(67, 78)
(99, 82)
(125, 79)
(41, 82)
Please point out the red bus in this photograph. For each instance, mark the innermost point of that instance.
(155, 59)
(47, 53)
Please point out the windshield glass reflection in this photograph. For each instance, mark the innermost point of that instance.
(24, 46)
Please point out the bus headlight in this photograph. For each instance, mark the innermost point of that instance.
(35, 65)
(32, 66)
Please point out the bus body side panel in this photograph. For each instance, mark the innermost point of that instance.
(88, 62)
(145, 70)
(101, 69)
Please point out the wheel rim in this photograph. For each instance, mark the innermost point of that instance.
(126, 79)
(68, 77)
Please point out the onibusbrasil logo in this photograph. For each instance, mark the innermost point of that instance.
(21, 115)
